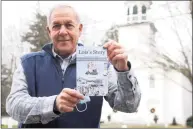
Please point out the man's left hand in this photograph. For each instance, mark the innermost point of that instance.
(117, 55)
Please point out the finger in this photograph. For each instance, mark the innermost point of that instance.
(64, 108)
(119, 57)
(112, 47)
(73, 93)
(68, 103)
(115, 52)
(107, 44)
(72, 99)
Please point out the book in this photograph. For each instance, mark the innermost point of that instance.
(92, 71)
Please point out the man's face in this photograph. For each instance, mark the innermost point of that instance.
(64, 30)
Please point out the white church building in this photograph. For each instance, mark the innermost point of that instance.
(161, 91)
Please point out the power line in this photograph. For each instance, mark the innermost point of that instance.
(146, 21)
(157, 18)
(160, 5)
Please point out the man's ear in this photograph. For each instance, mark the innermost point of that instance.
(80, 29)
(48, 30)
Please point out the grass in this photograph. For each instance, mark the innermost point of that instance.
(6, 126)
(119, 125)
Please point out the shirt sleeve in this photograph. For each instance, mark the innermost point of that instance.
(24, 108)
(124, 92)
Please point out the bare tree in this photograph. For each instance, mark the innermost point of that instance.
(111, 33)
(12, 48)
(5, 86)
(191, 6)
(182, 64)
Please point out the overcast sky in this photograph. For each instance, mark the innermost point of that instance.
(15, 12)
(100, 15)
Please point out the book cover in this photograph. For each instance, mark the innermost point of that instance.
(92, 66)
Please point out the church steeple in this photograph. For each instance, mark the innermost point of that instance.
(136, 11)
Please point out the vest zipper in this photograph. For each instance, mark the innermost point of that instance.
(65, 74)
(59, 70)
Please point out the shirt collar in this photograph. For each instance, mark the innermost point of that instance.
(71, 57)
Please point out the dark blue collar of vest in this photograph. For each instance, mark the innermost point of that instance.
(48, 48)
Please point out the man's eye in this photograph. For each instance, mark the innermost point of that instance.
(57, 26)
(69, 25)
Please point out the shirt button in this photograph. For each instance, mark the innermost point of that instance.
(129, 102)
(128, 76)
(36, 118)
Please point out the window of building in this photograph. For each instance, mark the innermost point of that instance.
(128, 12)
(143, 9)
(151, 81)
(135, 9)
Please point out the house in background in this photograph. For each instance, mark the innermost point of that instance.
(163, 97)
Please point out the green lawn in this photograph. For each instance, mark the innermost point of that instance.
(5, 126)
(118, 125)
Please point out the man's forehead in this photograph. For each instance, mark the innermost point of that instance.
(62, 20)
(63, 12)
(63, 9)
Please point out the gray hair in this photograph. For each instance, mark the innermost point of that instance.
(62, 6)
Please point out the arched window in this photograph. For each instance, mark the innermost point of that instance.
(143, 9)
(128, 12)
(135, 9)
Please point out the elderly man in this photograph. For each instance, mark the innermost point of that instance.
(43, 91)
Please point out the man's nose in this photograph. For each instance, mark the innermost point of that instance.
(63, 30)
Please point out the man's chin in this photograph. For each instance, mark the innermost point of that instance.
(65, 51)
(64, 42)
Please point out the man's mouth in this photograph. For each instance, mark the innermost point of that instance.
(63, 40)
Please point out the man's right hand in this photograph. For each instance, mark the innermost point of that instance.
(67, 100)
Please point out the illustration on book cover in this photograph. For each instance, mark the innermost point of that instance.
(92, 71)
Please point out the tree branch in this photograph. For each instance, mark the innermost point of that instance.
(186, 72)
